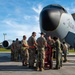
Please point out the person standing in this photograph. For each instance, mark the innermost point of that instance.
(25, 53)
(17, 46)
(61, 46)
(49, 49)
(65, 49)
(12, 50)
(58, 52)
(41, 43)
(32, 49)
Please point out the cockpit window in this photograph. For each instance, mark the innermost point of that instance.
(56, 6)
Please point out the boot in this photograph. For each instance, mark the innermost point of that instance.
(41, 69)
(37, 69)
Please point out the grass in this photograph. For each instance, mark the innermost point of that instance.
(4, 50)
(71, 51)
(8, 50)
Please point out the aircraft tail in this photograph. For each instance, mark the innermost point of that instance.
(73, 15)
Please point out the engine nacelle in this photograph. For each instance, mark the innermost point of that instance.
(6, 44)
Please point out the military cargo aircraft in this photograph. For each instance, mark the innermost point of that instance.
(56, 21)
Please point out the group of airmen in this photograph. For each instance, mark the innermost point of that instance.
(39, 51)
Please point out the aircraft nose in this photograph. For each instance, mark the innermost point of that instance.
(49, 19)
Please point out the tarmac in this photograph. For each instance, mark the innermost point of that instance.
(8, 67)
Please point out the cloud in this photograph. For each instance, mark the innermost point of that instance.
(37, 9)
(13, 24)
(26, 17)
(71, 10)
(36, 19)
(17, 23)
(71, 7)
(18, 30)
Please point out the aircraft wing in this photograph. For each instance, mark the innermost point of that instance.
(73, 15)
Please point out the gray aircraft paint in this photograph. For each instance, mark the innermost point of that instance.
(65, 29)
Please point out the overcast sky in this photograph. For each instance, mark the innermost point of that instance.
(21, 17)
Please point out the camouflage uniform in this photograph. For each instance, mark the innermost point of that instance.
(41, 52)
(17, 49)
(58, 53)
(25, 53)
(32, 51)
(65, 49)
(12, 50)
(61, 54)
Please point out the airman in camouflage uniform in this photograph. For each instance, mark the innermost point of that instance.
(32, 49)
(12, 50)
(25, 53)
(58, 52)
(65, 49)
(41, 42)
(61, 46)
(17, 45)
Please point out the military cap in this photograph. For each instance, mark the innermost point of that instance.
(33, 32)
(16, 39)
(24, 36)
(55, 38)
(43, 33)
